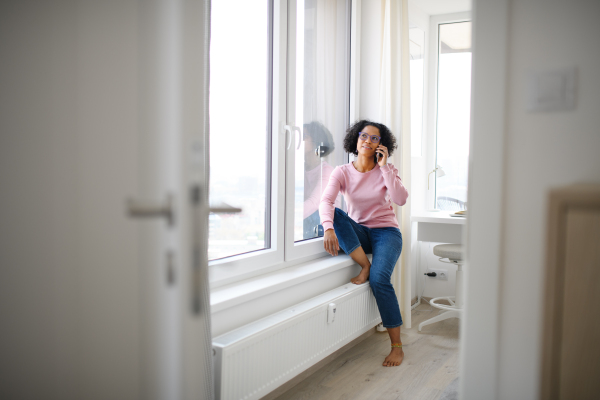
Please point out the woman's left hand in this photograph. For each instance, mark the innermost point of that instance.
(381, 149)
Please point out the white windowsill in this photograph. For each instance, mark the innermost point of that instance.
(228, 296)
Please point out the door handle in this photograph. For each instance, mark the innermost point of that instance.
(224, 208)
(148, 209)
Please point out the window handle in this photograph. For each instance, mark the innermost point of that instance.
(296, 129)
(292, 133)
(321, 150)
(288, 129)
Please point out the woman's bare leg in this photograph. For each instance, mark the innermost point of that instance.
(396, 355)
(361, 259)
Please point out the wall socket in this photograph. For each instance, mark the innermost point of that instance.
(441, 274)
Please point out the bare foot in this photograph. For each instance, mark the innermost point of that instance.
(394, 358)
(362, 277)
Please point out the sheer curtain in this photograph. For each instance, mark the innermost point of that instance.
(394, 106)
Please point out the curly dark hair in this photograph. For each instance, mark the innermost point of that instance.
(387, 137)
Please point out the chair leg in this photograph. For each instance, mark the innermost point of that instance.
(441, 317)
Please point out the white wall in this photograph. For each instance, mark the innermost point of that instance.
(543, 150)
(67, 159)
(434, 287)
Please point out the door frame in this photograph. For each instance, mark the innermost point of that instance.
(479, 353)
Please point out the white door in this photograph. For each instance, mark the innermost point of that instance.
(102, 102)
(176, 346)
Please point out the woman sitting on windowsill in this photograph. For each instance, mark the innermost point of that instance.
(369, 185)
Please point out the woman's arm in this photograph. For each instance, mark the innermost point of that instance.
(327, 205)
(396, 189)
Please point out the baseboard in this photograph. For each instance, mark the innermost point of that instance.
(299, 378)
(414, 301)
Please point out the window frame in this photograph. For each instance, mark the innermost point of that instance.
(283, 252)
(433, 74)
(230, 269)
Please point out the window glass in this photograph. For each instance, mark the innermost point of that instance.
(453, 119)
(321, 105)
(239, 132)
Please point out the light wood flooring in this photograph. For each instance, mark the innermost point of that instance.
(430, 364)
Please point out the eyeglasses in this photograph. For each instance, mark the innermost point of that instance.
(364, 136)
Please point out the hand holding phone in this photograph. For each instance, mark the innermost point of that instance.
(381, 153)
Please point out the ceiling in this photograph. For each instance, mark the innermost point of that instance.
(435, 7)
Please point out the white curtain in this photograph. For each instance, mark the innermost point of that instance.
(394, 106)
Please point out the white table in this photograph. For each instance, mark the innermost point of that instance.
(439, 227)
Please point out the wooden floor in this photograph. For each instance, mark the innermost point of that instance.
(430, 364)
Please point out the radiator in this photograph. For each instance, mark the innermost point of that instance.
(255, 359)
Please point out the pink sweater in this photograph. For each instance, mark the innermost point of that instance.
(369, 195)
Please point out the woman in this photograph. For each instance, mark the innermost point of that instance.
(369, 185)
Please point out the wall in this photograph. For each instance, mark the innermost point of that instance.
(543, 150)
(433, 287)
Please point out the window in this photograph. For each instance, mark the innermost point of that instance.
(279, 104)
(453, 114)
(239, 126)
(319, 103)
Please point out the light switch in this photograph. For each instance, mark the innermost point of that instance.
(551, 90)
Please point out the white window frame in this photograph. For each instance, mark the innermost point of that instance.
(419, 19)
(283, 251)
(434, 22)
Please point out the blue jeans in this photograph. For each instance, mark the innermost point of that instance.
(386, 245)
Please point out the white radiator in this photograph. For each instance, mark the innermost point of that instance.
(255, 359)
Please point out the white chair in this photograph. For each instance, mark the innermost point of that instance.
(451, 254)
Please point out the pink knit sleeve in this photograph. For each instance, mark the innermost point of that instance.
(327, 205)
(396, 189)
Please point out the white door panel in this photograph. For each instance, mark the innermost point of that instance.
(94, 110)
